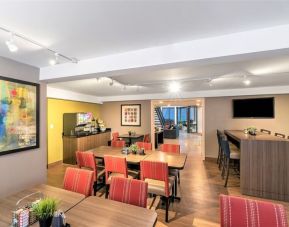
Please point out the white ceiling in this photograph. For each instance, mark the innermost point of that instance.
(87, 29)
(270, 69)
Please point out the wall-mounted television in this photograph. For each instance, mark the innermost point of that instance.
(253, 108)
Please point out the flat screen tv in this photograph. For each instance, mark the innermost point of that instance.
(253, 108)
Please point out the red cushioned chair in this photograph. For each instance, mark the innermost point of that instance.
(146, 146)
(78, 180)
(237, 212)
(115, 136)
(156, 174)
(146, 138)
(87, 160)
(115, 167)
(129, 191)
(172, 148)
(118, 143)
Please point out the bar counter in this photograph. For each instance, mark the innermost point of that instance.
(264, 164)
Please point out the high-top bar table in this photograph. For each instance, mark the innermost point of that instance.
(264, 164)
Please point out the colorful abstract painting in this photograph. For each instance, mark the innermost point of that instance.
(18, 115)
(131, 115)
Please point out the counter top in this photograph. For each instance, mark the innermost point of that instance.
(91, 134)
(240, 135)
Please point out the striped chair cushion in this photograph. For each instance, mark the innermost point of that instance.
(129, 191)
(173, 148)
(115, 164)
(87, 160)
(118, 143)
(78, 180)
(237, 211)
(156, 171)
(146, 146)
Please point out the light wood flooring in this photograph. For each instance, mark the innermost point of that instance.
(200, 187)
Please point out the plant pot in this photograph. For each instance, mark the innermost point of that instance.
(45, 222)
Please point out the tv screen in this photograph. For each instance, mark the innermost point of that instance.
(253, 108)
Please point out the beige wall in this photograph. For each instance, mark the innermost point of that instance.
(110, 112)
(218, 115)
(27, 168)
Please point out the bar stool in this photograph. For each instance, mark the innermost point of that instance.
(220, 153)
(280, 135)
(229, 154)
(265, 131)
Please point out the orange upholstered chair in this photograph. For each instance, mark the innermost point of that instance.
(87, 160)
(118, 143)
(237, 211)
(78, 180)
(156, 174)
(146, 146)
(129, 191)
(115, 167)
(172, 148)
(115, 136)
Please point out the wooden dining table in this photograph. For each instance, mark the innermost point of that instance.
(96, 211)
(175, 161)
(66, 200)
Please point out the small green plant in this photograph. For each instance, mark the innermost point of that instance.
(45, 208)
(133, 148)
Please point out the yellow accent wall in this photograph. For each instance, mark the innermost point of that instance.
(55, 110)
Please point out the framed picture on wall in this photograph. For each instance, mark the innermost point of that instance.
(19, 115)
(131, 115)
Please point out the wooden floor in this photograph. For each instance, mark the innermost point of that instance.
(200, 187)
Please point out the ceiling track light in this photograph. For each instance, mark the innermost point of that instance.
(13, 48)
(11, 44)
(246, 81)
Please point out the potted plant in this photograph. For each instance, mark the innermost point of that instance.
(252, 131)
(133, 148)
(44, 211)
(129, 133)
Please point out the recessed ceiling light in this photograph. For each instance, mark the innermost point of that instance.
(246, 81)
(174, 87)
(161, 102)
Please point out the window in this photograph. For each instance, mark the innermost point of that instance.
(169, 113)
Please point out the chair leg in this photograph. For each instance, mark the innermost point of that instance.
(223, 168)
(179, 177)
(176, 188)
(106, 191)
(218, 159)
(167, 209)
(221, 159)
(94, 188)
(228, 169)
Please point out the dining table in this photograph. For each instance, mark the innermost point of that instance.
(66, 200)
(96, 211)
(131, 137)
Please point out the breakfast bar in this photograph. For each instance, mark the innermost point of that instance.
(264, 164)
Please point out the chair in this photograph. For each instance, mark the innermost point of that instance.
(237, 211)
(129, 191)
(172, 148)
(229, 154)
(146, 138)
(87, 160)
(156, 174)
(146, 146)
(115, 136)
(280, 135)
(118, 143)
(115, 167)
(78, 180)
(265, 131)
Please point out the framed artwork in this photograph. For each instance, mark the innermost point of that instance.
(19, 115)
(131, 115)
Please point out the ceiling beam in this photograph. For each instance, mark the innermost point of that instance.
(268, 39)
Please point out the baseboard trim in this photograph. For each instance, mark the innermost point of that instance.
(54, 164)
